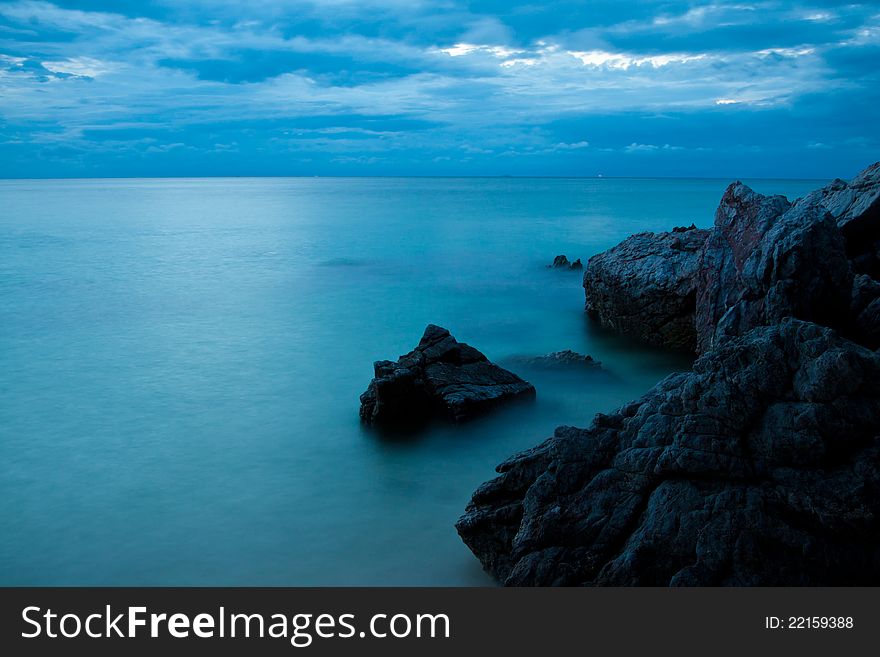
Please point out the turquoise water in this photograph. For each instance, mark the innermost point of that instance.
(180, 365)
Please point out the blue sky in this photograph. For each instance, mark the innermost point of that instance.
(448, 87)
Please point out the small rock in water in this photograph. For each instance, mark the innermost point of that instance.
(684, 229)
(564, 358)
(562, 262)
(441, 377)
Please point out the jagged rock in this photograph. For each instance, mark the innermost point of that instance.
(684, 229)
(855, 206)
(565, 358)
(761, 466)
(766, 259)
(577, 264)
(646, 287)
(440, 377)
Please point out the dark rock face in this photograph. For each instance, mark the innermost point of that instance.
(855, 207)
(865, 311)
(766, 260)
(646, 287)
(761, 466)
(577, 264)
(440, 377)
(562, 359)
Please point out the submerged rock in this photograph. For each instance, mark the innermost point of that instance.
(646, 287)
(766, 259)
(761, 466)
(565, 358)
(440, 377)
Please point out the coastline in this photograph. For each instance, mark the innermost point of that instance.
(715, 476)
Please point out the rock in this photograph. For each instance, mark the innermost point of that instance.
(440, 377)
(865, 311)
(855, 207)
(761, 466)
(684, 229)
(766, 259)
(561, 262)
(646, 287)
(560, 359)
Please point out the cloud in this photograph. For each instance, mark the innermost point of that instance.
(83, 67)
(458, 78)
(650, 148)
(562, 146)
(624, 61)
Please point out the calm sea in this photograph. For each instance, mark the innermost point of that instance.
(180, 365)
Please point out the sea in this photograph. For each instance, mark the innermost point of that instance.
(181, 361)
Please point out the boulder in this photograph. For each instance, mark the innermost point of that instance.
(855, 206)
(440, 377)
(766, 259)
(760, 466)
(577, 265)
(645, 287)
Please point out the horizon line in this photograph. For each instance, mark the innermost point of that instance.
(411, 176)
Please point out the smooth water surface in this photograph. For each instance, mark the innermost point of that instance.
(180, 365)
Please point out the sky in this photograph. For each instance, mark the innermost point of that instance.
(769, 88)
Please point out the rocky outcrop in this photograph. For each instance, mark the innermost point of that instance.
(562, 359)
(646, 287)
(761, 466)
(855, 207)
(440, 377)
(766, 259)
